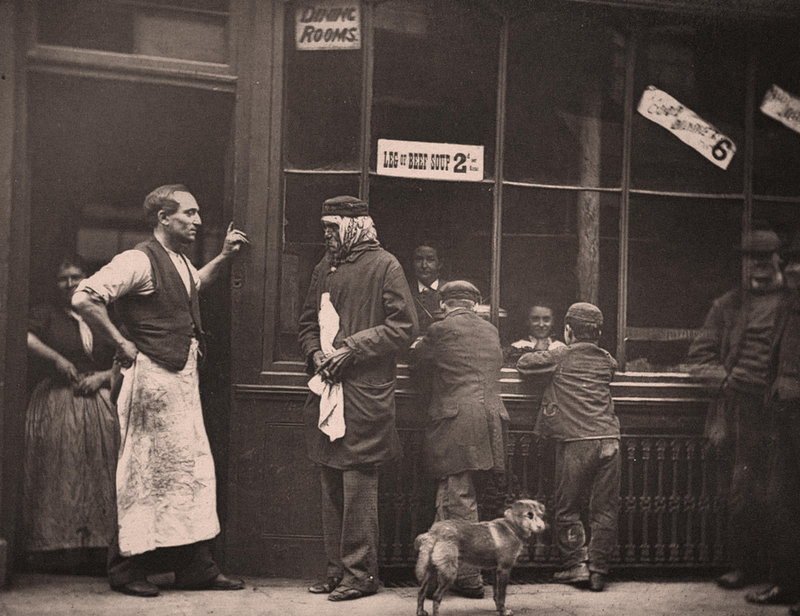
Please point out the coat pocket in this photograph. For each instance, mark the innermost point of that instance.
(443, 411)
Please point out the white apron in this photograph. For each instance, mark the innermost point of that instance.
(166, 487)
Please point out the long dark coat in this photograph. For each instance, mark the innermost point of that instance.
(377, 320)
(462, 357)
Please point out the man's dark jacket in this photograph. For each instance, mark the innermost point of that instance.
(377, 321)
(462, 357)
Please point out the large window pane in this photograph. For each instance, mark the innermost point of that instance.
(181, 29)
(564, 103)
(682, 255)
(540, 252)
(436, 74)
(456, 217)
(777, 148)
(784, 218)
(323, 105)
(700, 67)
(303, 246)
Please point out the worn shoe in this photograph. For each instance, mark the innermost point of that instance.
(138, 588)
(348, 594)
(223, 582)
(573, 575)
(470, 592)
(597, 582)
(733, 580)
(325, 587)
(774, 595)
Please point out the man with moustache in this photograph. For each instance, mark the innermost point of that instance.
(166, 485)
(783, 493)
(732, 352)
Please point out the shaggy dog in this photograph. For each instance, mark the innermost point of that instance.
(488, 545)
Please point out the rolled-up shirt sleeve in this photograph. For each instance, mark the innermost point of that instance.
(127, 273)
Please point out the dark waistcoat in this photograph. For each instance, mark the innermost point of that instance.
(162, 324)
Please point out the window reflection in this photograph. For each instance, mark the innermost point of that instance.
(180, 29)
(436, 74)
(693, 66)
(564, 113)
(682, 255)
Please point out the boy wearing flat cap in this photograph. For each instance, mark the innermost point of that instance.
(578, 413)
(464, 434)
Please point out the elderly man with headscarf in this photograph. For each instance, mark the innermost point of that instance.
(357, 317)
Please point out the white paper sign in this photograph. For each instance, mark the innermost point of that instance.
(782, 106)
(687, 126)
(328, 25)
(430, 161)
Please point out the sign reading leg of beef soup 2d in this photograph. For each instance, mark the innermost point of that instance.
(687, 126)
(430, 161)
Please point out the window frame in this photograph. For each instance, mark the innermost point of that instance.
(637, 21)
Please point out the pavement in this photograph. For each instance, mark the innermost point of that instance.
(46, 595)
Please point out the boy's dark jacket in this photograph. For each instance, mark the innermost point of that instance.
(577, 403)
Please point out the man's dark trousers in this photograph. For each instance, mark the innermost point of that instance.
(783, 496)
(193, 565)
(587, 470)
(350, 525)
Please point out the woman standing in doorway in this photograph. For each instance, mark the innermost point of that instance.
(70, 437)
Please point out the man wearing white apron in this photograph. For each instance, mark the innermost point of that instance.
(166, 487)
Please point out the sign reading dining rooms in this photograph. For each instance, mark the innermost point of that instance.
(328, 25)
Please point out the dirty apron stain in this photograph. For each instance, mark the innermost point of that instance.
(166, 487)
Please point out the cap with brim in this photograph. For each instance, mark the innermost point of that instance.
(586, 312)
(345, 206)
(459, 289)
(760, 241)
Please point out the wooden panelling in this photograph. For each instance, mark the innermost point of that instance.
(670, 511)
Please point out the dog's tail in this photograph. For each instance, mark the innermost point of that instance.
(423, 544)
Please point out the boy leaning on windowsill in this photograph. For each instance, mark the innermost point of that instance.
(578, 413)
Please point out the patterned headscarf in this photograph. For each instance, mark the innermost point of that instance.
(355, 232)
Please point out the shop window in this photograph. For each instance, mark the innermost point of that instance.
(777, 147)
(303, 246)
(455, 217)
(564, 102)
(682, 255)
(179, 29)
(697, 66)
(540, 251)
(783, 218)
(323, 105)
(435, 77)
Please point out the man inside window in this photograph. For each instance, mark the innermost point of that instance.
(426, 285)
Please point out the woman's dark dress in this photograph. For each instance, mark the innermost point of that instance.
(70, 446)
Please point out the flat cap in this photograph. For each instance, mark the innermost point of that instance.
(345, 206)
(459, 289)
(760, 240)
(586, 312)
